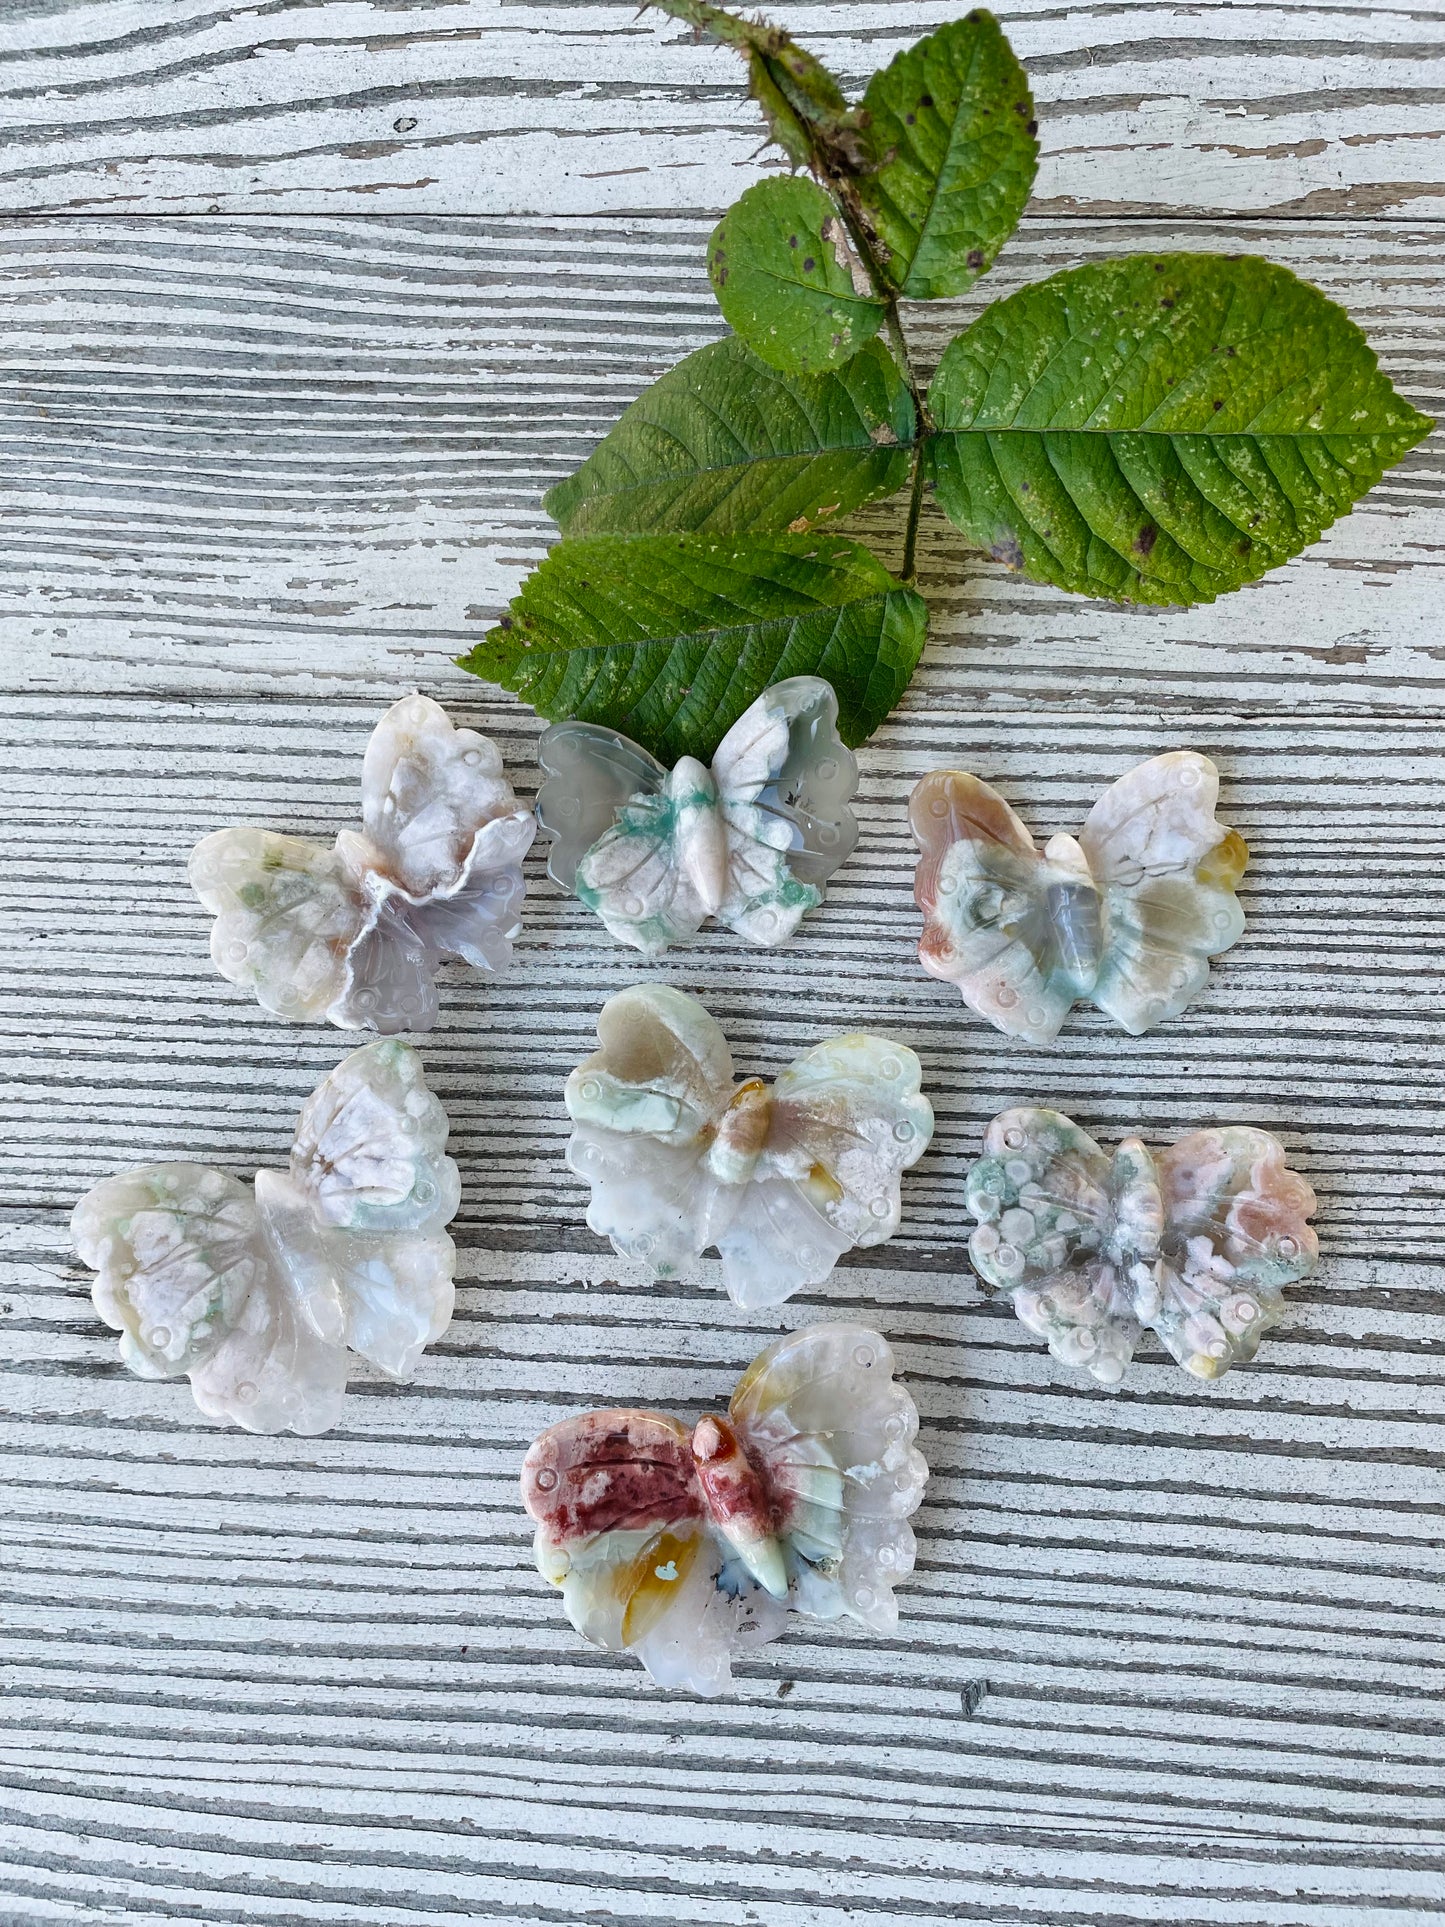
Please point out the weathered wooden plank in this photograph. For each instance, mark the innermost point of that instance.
(471, 107)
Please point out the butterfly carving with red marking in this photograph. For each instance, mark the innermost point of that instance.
(685, 1545)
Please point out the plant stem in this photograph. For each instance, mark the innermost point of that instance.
(915, 508)
(809, 118)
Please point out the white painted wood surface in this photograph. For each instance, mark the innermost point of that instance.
(304, 306)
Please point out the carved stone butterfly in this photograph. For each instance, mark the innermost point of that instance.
(685, 1545)
(782, 1179)
(257, 1292)
(751, 841)
(1195, 1242)
(1126, 916)
(355, 933)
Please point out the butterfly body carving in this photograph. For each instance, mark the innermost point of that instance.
(750, 841)
(355, 933)
(686, 1544)
(1195, 1242)
(782, 1179)
(257, 1292)
(1125, 916)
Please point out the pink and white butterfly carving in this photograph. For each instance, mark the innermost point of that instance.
(1124, 916)
(688, 1545)
(258, 1292)
(354, 933)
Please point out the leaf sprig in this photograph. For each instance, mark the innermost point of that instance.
(1158, 429)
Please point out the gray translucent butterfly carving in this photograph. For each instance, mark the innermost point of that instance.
(257, 1292)
(751, 841)
(1195, 1242)
(1126, 916)
(355, 933)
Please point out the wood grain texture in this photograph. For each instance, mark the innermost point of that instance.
(1171, 1654)
(471, 106)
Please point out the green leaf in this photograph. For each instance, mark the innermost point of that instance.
(669, 638)
(725, 444)
(953, 120)
(787, 280)
(1160, 429)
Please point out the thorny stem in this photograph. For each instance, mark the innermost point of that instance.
(763, 47)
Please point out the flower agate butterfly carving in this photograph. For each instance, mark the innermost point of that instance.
(687, 1546)
(1194, 1243)
(354, 933)
(782, 1181)
(1126, 916)
(751, 841)
(257, 1292)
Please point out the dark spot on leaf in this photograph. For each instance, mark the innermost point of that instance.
(925, 100)
(505, 623)
(1255, 520)
(720, 275)
(1021, 108)
(1007, 548)
(1026, 488)
(792, 240)
(1146, 538)
(1231, 352)
(1243, 545)
(973, 18)
(1217, 406)
(1159, 267)
(809, 264)
(1032, 128)
(1166, 301)
(974, 258)
(910, 120)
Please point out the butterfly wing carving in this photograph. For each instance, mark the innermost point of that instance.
(288, 914)
(785, 781)
(621, 1529)
(833, 1431)
(1167, 871)
(591, 774)
(188, 1277)
(983, 890)
(257, 1293)
(369, 1190)
(1044, 1195)
(615, 816)
(644, 1554)
(1237, 1232)
(644, 1106)
(847, 1118)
